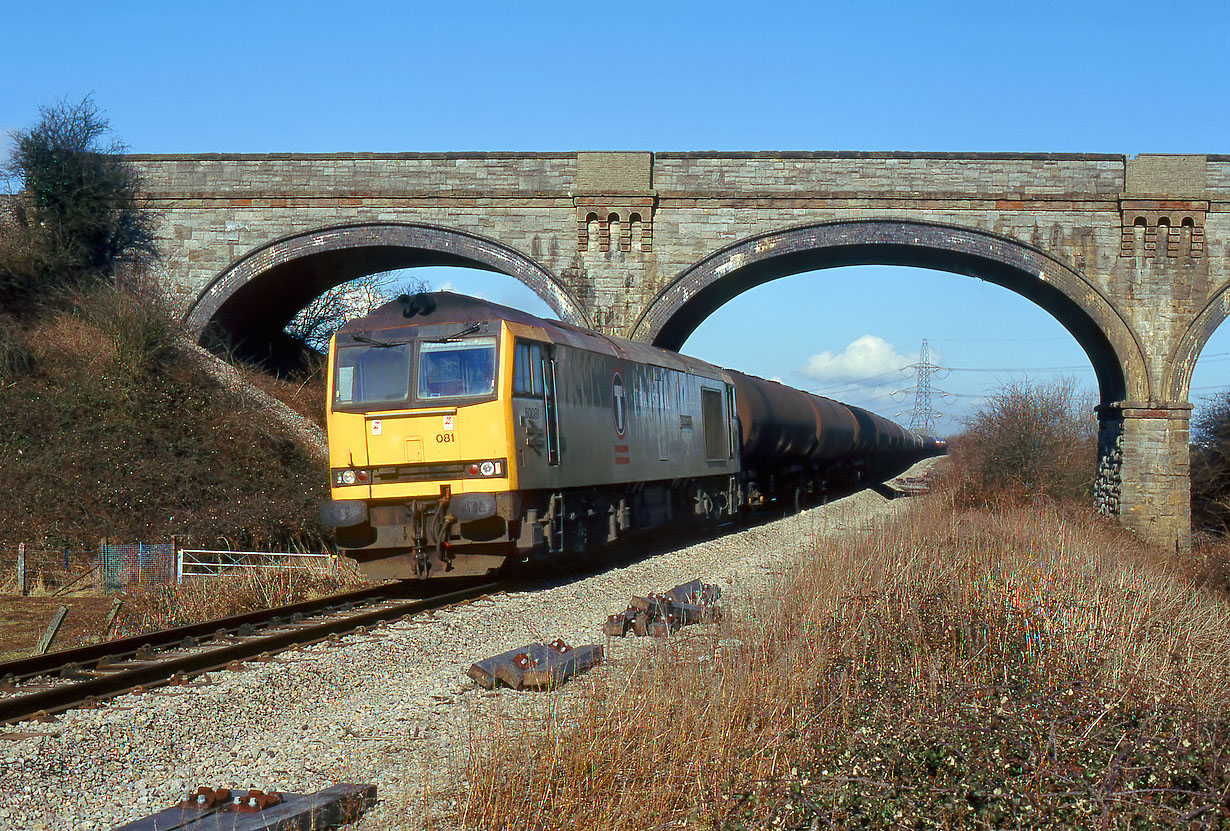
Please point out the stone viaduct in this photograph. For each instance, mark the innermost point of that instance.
(1131, 255)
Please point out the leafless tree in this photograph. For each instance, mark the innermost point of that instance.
(1210, 465)
(317, 321)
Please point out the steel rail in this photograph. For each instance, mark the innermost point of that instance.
(52, 662)
(160, 671)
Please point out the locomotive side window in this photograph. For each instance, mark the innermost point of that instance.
(527, 369)
(717, 438)
(456, 369)
(370, 374)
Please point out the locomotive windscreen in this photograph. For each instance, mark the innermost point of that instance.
(456, 369)
(372, 374)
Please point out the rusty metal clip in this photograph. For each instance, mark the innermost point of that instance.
(256, 801)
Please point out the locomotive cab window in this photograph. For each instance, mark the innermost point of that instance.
(527, 369)
(372, 374)
(456, 369)
(717, 436)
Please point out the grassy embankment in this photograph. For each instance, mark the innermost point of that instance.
(110, 427)
(1031, 667)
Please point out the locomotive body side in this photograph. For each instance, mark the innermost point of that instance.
(602, 414)
(462, 433)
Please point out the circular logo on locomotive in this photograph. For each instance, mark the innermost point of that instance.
(619, 404)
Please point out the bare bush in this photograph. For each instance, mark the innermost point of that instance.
(1028, 440)
(1210, 465)
(142, 333)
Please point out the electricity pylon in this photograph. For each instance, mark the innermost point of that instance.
(922, 420)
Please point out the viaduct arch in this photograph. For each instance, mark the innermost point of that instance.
(1066, 295)
(256, 296)
(1130, 254)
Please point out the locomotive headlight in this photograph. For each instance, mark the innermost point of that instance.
(487, 469)
(348, 477)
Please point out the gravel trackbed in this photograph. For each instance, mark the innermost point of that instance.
(393, 707)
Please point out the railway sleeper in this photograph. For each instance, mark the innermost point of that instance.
(255, 810)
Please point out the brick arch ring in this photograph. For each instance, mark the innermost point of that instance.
(364, 248)
(1081, 307)
(1183, 360)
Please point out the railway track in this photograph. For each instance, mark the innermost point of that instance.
(43, 685)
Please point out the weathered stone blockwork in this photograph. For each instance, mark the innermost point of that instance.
(1130, 254)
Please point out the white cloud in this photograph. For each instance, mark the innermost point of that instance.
(449, 285)
(867, 359)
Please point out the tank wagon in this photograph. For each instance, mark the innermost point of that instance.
(463, 433)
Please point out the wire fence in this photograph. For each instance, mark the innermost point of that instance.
(136, 564)
(29, 570)
(201, 562)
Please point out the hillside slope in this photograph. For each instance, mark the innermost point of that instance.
(110, 426)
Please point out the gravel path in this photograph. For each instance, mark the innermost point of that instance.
(393, 707)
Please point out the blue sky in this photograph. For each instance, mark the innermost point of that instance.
(1095, 77)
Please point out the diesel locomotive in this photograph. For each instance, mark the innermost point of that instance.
(463, 433)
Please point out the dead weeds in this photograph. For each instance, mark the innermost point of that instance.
(1035, 668)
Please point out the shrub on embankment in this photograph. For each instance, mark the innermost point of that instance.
(1028, 441)
(108, 428)
(1032, 668)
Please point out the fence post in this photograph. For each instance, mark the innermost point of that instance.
(53, 628)
(21, 569)
(111, 615)
(179, 559)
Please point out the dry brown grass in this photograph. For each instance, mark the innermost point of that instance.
(1037, 668)
(303, 392)
(200, 599)
(109, 428)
